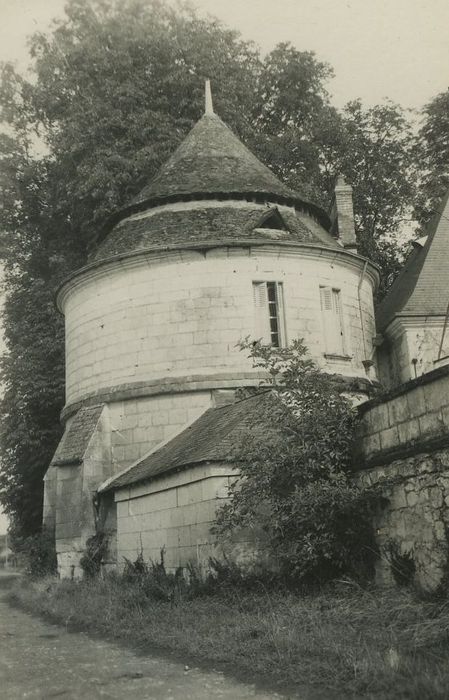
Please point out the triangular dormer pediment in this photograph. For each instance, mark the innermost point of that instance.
(272, 219)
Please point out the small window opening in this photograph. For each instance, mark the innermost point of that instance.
(269, 313)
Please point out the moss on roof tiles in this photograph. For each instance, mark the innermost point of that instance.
(211, 438)
(212, 159)
(167, 227)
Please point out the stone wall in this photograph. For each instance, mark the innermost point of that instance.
(413, 417)
(174, 513)
(71, 490)
(160, 316)
(414, 519)
(403, 451)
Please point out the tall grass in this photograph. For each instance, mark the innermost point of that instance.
(346, 641)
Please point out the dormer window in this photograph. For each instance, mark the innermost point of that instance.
(269, 313)
(272, 219)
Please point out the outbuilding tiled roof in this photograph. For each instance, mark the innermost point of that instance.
(422, 289)
(211, 438)
(200, 223)
(74, 443)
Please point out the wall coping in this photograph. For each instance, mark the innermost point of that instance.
(422, 380)
(410, 449)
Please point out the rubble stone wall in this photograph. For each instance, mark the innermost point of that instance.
(403, 450)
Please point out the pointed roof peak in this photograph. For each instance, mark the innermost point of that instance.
(208, 106)
(421, 287)
(211, 159)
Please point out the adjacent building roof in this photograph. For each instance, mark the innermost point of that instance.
(74, 443)
(421, 289)
(213, 437)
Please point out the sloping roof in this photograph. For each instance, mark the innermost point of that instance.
(74, 442)
(201, 223)
(211, 438)
(212, 159)
(422, 289)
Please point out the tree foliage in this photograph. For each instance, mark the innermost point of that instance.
(308, 143)
(433, 156)
(295, 482)
(114, 88)
(377, 159)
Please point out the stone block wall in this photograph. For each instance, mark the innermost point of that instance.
(174, 513)
(140, 424)
(408, 419)
(178, 314)
(71, 494)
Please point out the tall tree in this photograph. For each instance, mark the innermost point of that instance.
(298, 129)
(308, 143)
(376, 155)
(433, 156)
(116, 87)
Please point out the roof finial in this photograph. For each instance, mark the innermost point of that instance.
(209, 108)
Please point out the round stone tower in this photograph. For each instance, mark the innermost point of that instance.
(213, 250)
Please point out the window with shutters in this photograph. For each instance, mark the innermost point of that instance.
(269, 313)
(333, 328)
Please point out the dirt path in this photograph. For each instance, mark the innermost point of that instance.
(40, 661)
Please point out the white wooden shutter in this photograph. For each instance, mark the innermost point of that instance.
(261, 318)
(281, 314)
(339, 337)
(332, 320)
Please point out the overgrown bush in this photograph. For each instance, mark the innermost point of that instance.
(39, 554)
(295, 484)
(95, 552)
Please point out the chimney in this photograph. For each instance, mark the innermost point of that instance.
(342, 215)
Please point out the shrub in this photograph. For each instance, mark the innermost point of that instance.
(295, 484)
(39, 553)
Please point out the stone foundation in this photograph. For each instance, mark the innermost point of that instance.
(413, 522)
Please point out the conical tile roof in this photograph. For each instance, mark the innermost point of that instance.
(211, 159)
(422, 288)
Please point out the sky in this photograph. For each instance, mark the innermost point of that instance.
(396, 49)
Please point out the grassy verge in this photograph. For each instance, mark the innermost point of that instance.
(346, 641)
